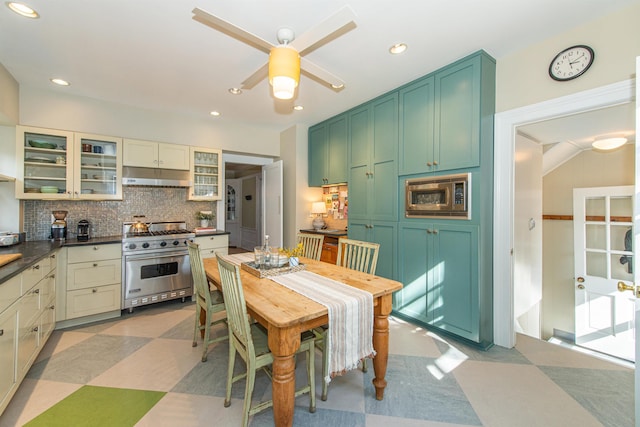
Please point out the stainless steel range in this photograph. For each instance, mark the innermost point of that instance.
(155, 263)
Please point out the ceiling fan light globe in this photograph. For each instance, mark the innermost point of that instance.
(609, 143)
(284, 71)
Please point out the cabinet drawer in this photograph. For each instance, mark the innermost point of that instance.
(29, 308)
(47, 321)
(94, 253)
(85, 302)
(7, 354)
(329, 253)
(211, 253)
(95, 273)
(27, 346)
(213, 242)
(10, 291)
(35, 273)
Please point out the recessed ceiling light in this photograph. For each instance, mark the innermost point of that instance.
(337, 86)
(397, 48)
(215, 113)
(298, 107)
(609, 143)
(235, 91)
(60, 82)
(22, 9)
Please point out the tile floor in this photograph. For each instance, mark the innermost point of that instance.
(432, 381)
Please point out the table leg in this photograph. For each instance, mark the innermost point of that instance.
(381, 344)
(283, 344)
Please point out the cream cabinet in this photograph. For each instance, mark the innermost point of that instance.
(27, 318)
(93, 280)
(54, 164)
(206, 164)
(210, 245)
(150, 154)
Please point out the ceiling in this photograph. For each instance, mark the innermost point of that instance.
(151, 54)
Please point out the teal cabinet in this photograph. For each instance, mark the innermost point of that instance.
(328, 152)
(373, 171)
(444, 116)
(383, 233)
(440, 272)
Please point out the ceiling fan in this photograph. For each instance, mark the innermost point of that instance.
(288, 55)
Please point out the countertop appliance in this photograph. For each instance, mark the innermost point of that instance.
(443, 196)
(59, 225)
(84, 228)
(155, 264)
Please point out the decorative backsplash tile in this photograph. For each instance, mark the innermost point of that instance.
(106, 217)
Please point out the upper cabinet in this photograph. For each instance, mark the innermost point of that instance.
(328, 152)
(149, 154)
(206, 164)
(441, 116)
(57, 164)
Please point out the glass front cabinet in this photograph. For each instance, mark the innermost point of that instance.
(206, 164)
(66, 165)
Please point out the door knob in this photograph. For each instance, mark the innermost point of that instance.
(624, 287)
(581, 286)
(580, 279)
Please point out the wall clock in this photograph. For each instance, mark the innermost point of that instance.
(571, 63)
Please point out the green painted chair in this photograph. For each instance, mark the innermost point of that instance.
(250, 341)
(209, 301)
(312, 244)
(356, 255)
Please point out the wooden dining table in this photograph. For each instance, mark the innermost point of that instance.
(286, 314)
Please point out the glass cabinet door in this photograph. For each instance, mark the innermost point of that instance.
(97, 167)
(45, 160)
(205, 174)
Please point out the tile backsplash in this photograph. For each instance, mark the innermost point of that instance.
(106, 217)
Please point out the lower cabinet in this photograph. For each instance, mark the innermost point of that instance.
(440, 274)
(93, 280)
(329, 249)
(209, 245)
(384, 233)
(27, 317)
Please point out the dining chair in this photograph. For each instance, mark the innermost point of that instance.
(355, 255)
(207, 301)
(312, 244)
(250, 341)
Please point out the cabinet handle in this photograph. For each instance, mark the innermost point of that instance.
(435, 163)
(36, 267)
(429, 164)
(94, 290)
(95, 248)
(53, 276)
(35, 329)
(435, 231)
(95, 264)
(1, 332)
(52, 307)
(53, 256)
(36, 291)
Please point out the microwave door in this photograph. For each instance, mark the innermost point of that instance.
(429, 197)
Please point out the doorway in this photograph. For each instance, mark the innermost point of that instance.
(243, 204)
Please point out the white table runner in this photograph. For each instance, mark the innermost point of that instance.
(349, 338)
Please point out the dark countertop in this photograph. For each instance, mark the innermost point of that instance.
(212, 233)
(326, 232)
(34, 251)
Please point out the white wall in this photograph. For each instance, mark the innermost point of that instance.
(522, 77)
(9, 98)
(527, 223)
(9, 205)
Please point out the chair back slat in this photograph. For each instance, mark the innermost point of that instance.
(237, 317)
(312, 244)
(200, 282)
(358, 255)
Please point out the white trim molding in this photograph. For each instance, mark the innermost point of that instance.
(504, 146)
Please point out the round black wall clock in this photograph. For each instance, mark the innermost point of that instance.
(571, 63)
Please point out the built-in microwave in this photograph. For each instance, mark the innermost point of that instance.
(444, 196)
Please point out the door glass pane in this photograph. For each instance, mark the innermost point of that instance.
(595, 208)
(621, 238)
(621, 208)
(596, 264)
(596, 236)
(621, 267)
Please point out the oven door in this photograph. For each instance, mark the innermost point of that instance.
(156, 273)
(428, 198)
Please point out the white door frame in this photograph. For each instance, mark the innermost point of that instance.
(504, 146)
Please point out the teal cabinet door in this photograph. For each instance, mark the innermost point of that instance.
(328, 152)
(385, 234)
(453, 286)
(416, 127)
(317, 155)
(439, 271)
(457, 115)
(359, 137)
(337, 170)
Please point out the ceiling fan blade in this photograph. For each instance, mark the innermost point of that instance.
(256, 77)
(331, 28)
(231, 30)
(320, 75)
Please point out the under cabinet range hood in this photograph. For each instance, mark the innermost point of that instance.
(151, 177)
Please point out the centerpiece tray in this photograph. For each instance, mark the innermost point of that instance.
(270, 271)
